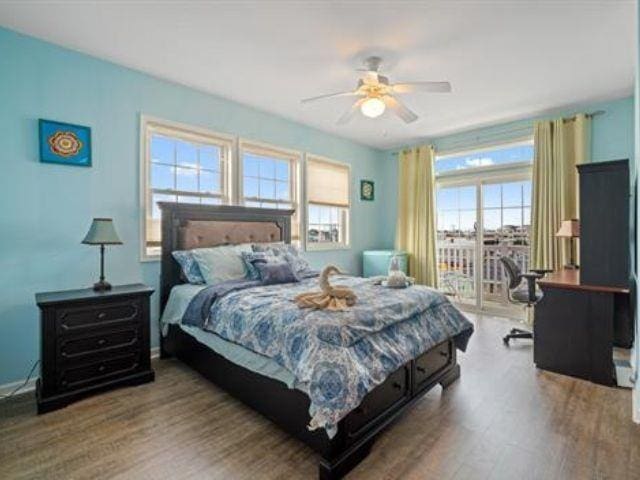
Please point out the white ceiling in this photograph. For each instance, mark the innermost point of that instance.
(505, 59)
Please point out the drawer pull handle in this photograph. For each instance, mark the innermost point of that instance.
(397, 386)
(420, 369)
(444, 354)
(101, 342)
(101, 368)
(102, 316)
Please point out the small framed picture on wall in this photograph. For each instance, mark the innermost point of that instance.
(367, 190)
(64, 143)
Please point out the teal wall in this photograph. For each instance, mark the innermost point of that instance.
(46, 209)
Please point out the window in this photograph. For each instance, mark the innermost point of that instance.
(270, 179)
(182, 164)
(456, 212)
(328, 203)
(507, 211)
(503, 155)
(483, 204)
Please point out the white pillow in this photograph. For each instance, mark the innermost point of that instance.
(219, 264)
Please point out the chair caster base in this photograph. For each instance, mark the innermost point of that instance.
(516, 333)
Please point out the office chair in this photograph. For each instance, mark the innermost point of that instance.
(527, 295)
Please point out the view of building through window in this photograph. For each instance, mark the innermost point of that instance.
(324, 223)
(506, 213)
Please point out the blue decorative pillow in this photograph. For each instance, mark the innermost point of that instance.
(287, 252)
(190, 268)
(250, 257)
(272, 273)
(298, 264)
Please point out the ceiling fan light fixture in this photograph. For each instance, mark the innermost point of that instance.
(372, 107)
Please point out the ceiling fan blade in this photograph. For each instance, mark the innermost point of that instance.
(410, 87)
(349, 114)
(330, 95)
(399, 109)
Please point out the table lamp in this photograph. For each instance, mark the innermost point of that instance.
(102, 232)
(569, 229)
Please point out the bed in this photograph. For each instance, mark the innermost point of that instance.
(260, 383)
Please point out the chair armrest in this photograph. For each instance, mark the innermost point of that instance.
(532, 275)
(541, 271)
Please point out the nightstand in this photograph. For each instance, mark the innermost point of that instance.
(92, 341)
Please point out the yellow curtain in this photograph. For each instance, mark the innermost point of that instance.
(416, 227)
(559, 146)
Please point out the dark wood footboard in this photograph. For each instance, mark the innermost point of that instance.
(289, 408)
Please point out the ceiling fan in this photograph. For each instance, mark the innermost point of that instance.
(376, 94)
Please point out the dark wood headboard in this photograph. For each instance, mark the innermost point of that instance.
(184, 225)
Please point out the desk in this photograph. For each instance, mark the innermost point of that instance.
(575, 325)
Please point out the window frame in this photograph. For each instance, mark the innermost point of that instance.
(149, 126)
(326, 246)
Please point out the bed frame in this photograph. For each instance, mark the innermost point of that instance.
(189, 226)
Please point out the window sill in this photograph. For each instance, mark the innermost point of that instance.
(150, 259)
(326, 247)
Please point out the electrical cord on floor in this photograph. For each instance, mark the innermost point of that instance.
(24, 384)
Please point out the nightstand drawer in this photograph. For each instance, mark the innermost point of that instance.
(98, 315)
(76, 349)
(76, 377)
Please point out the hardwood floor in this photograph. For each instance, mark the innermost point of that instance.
(502, 420)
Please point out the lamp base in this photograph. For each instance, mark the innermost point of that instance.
(102, 286)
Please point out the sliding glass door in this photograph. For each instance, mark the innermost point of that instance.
(483, 213)
(506, 214)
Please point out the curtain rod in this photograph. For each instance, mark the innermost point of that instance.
(588, 115)
(518, 130)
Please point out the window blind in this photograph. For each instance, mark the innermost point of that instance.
(327, 183)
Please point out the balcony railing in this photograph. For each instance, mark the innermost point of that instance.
(457, 267)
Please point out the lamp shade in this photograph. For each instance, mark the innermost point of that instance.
(569, 229)
(102, 232)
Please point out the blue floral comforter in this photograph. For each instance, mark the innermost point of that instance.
(336, 357)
